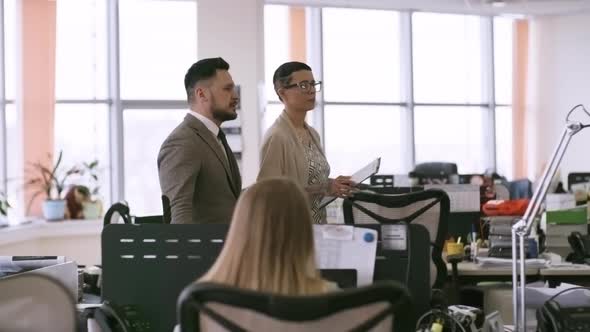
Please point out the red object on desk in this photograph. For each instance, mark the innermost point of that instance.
(515, 207)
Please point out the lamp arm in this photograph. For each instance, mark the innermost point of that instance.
(523, 226)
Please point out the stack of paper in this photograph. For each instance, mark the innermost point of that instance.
(507, 262)
(15, 264)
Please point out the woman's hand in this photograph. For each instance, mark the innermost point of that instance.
(341, 186)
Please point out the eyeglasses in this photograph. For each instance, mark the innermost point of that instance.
(306, 86)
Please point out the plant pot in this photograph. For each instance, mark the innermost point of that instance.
(54, 209)
(92, 210)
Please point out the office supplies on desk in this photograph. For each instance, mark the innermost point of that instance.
(355, 248)
(515, 207)
(506, 262)
(569, 313)
(359, 176)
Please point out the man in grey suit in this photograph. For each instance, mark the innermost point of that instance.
(198, 171)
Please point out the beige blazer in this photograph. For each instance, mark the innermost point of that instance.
(283, 155)
(196, 175)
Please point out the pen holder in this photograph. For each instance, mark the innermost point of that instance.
(455, 249)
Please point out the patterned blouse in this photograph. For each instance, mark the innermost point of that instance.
(318, 173)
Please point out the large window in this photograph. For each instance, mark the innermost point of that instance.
(503, 90)
(451, 134)
(81, 50)
(81, 130)
(158, 42)
(81, 134)
(370, 70)
(150, 73)
(408, 87)
(362, 89)
(447, 58)
(153, 66)
(12, 178)
(380, 127)
(145, 130)
(10, 48)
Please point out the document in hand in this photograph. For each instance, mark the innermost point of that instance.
(359, 176)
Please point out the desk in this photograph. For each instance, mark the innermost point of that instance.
(79, 240)
(472, 273)
(577, 274)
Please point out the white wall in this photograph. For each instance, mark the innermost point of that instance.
(234, 30)
(560, 79)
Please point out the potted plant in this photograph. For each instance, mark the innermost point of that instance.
(50, 182)
(4, 206)
(92, 208)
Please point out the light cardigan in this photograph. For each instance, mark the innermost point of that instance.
(283, 154)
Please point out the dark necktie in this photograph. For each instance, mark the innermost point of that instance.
(233, 165)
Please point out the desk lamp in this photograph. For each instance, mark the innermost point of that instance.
(522, 228)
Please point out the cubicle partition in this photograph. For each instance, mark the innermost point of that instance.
(149, 265)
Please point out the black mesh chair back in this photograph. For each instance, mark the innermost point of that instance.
(430, 208)
(212, 307)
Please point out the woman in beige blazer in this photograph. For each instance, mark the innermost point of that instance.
(292, 148)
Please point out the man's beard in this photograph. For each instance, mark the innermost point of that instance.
(222, 114)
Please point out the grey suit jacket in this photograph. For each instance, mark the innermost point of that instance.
(196, 176)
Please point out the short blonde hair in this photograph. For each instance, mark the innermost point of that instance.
(270, 244)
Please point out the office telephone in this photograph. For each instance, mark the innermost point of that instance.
(121, 318)
(553, 317)
(581, 246)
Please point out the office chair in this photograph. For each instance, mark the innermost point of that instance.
(116, 212)
(429, 208)
(33, 302)
(120, 211)
(384, 306)
(166, 213)
(426, 172)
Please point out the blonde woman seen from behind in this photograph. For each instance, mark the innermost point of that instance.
(270, 245)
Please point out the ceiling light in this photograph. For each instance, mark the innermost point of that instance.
(498, 3)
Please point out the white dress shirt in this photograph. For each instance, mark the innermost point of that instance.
(211, 126)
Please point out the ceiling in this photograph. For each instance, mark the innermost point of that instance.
(483, 7)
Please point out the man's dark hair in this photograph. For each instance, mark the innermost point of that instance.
(282, 76)
(202, 70)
